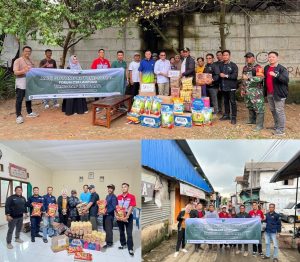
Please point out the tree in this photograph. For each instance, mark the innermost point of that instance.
(61, 23)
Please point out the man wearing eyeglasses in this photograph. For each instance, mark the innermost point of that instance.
(212, 89)
(161, 69)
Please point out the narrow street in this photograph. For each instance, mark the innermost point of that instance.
(165, 253)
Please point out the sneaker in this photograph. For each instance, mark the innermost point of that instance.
(246, 253)
(56, 105)
(176, 254)
(20, 120)
(122, 247)
(275, 259)
(278, 133)
(261, 254)
(223, 118)
(33, 114)
(18, 240)
(47, 106)
(184, 250)
(233, 121)
(32, 239)
(254, 253)
(265, 257)
(10, 246)
(131, 253)
(45, 240)
(86, 112)
(237, 252)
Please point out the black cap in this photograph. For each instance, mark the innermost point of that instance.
(111, 186)
(249, 54)
(91, 186)
(186, 49)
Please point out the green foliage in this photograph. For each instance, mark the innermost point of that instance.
(7, 84)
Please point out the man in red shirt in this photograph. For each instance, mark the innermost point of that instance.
(224, 214)
(127, 201)
(100, 62)
(255, 212)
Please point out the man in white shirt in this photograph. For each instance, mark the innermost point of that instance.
(134, 74)
(161, 69)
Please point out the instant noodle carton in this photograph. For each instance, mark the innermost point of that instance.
(184, 120)
(150, 120)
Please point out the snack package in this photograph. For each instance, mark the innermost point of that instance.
(36, 209)
(76, 243)
(203, 79)
(83, 256)
(206, 102)
(187, 83)
(59, 243)
(197, 117)
(186, 95)
(80, 208)
(120, 212)
(198, 104)
(175, 92)
(156, 106)
(138, 106)
(178, 105)
(60, 228)
(167, 119)
(148, 105)
(207, 115)
(73, 250)
(133, 118)
(102, 206)
(52, 210)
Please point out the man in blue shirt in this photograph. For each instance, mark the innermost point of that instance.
(108, 218)
(146, 69)
(92, 207)
(85, 197)
(35, 220)
(48, 221)
(273, 227)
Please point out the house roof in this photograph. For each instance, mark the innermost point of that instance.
(264, 166)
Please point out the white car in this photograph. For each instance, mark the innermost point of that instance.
(288, 213)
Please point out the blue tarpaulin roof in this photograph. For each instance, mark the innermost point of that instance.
(166, 157)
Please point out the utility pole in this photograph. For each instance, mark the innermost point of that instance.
(251, 180)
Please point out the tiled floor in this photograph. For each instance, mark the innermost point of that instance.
(41, 252)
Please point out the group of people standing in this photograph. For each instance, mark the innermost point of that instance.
(17, 205)
(271, 219)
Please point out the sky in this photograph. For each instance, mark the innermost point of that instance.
(223, 160)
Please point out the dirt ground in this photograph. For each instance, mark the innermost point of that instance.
(165, 253)
(53, 124)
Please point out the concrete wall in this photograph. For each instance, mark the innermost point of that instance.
(38, 175)
(276, 193)
(260, 33)
(70, 180)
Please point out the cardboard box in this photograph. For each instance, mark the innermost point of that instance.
(166, 99)
(175, 92)
(174, 74)
(150, 121)
(147, 93)
(184, 120)
(59, 243)
(149, 87)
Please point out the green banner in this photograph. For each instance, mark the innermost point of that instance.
(223, 231)
(64, 83)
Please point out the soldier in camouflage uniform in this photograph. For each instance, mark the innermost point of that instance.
(252, 91)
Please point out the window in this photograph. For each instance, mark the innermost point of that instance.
(7, 188)
(288, 182)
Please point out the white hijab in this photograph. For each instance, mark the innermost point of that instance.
(72, 65)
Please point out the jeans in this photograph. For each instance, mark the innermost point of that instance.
(268, 238)
(213, 96)
(108, 223)
(164, 89)
(129, 227)
(15, 223)
(230, 103)
(180, 239)
(277, 110)
(48, 225)
(20, 94)
(35, 225)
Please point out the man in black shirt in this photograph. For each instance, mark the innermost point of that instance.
(92, 207)
(15, 208)
(220, 95)
(229, 75)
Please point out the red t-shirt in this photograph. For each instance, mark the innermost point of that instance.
(269, 80)
(126, 201)
(224, 215)
(100, 63)
(257, 213)
(200, 214)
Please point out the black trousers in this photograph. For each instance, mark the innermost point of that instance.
(128, 226)
(15, 223)
(35, 225)
(230, 103)
(108, 224)
(63, 219)
(220, 101)
(257, 247)
(180, 239)
(20, 94)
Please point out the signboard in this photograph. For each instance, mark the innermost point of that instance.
(44, 83)
(188, 190)
(146, 88)
(174, 73)
(17, 171)
(147, 189)
(223, 231)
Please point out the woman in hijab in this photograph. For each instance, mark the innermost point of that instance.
(74, 105)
